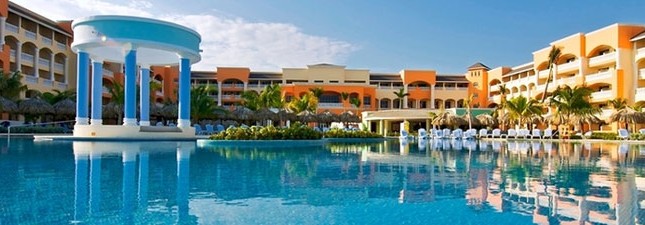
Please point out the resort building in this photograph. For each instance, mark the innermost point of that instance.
(610, 60)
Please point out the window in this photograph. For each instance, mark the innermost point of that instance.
(570, 60)
(333, 81)
(603, 52)
(367, 101)
(318, 81)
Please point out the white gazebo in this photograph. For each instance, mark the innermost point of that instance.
(138, 43)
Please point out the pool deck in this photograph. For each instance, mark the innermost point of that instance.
(70, 137)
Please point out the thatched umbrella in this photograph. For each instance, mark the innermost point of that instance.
(474, 121)
(242, 113)
(112, 110)
(65, 107)
(327, 117)
(265, 114)
(627, 115)
(286, 115)
(35, 107)
(307, 116)
(169, 110)
(486, 120)
(7, 105)
(349, 116)
(448, 119)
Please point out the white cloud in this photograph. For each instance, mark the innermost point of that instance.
(226, 41)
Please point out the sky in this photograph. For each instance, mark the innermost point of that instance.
(379, 35)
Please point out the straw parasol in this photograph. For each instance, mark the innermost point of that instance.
(486, 120)
(242, 113)
(7, 105)
(306, 116)
(112, 110)
(286, 115)
(35, 106)
(265, 114)
(449, 119)
(473, 119)
(349, 116)
(627, 115)
(65, 107)
(327, 117)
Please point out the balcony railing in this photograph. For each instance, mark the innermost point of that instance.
(29, 34)
(11, 27)
(60, 85)
(543, 73)
(571, 81)
(568, 66)
(640, 94)
(330, 105)
(598, 76)
(12, 54)
(43, 62)
(601, 95)
(106, 90)
(601, 59)
(494, 88)
(48, 82)
(641, 74)
(59, 67)
(640, 53)
(159, 93)
(47, 40)
(61, 46)
(31, 79)
(27, 57)
(108, 73)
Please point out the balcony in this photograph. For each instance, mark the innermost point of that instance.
(60, 85)
(61, 46)
(543, 74)
(27, 58)
(11, 27)
(605, 113)
(31, 79)
(602, 59)
(43, 62)
(330, 105)
(159, 93)
(47, 40)
(494, 88)
(12, 55)
(568, 67)
(59, 67)
(640, 53)
(106, 90)
(47, 82)
(641, 74)
(640, 94)
(601, 95)
(108, 73)
(570, 81)
(31, 35)
(598, 76)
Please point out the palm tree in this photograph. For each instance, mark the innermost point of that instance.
(554, 55)
(250, 100)
(11, 86)
(356, 103)
(522, 109)
(201, 103)
(344, 96)
(308, 102)
(400, 95)
(271, 97)
(501, 108)
(57, 96)
(317, 91)
(618, 103)
(573, 103)
(118, 99)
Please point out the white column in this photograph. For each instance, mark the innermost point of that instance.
(246, 84)
(51, 67)
(432, 96)
(36, 58)
(65, 70)
(3, 21)
(18, 56)
(405, 98)
(219, 93)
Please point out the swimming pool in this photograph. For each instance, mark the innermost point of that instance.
(387, 182)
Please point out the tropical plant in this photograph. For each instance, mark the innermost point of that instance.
(117, 99)
(250, 100)
(344, 96)
(308, 102)
(202, 105)
(501, 108)
(356, 103)
(271, 97)
(522, 110)
(618, 103)
(57, 96)
(400, 95)
(573, 103)
(11, 86)
(554, 55)
(316, 91)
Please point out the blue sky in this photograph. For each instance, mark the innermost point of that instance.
(383, 36)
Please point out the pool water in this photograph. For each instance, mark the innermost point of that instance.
(388, 182)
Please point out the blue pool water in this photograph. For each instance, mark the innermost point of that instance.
(386, 182)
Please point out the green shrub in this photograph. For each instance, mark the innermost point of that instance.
(33, 130)
(297, 131)
(338, 133)
(604, 135)
(637, 136)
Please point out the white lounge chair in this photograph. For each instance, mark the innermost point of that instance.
(446, 133)
(495, 133)
(422, 134)
(470, 134)
(437, 134)
(457, 134)
(641, 131)
(548, 133)
(483, 133)
(510, 133)
(524, 133)
(536, 133)
(496, 146)
(483, 146)
(623, 134)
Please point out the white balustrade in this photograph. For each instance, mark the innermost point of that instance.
(60, 85)
(602, 59)
(27, 57)
(11, 27)
(31, 79)
(59, 67)
(29, 34)
(47, 82)
(598, 76)
(329, 105)
(43, 62)
(543, 73)
(600, 95)
(61, 46)
(47, 40)
(640, 94)
(568, 66)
